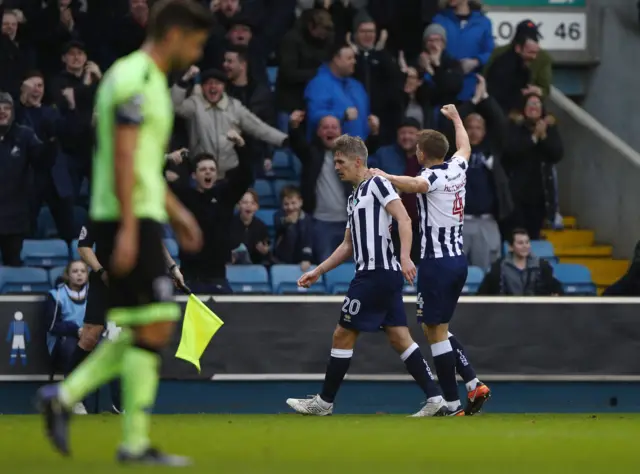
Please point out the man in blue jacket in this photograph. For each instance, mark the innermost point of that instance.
(19, 149)
(333, 92)
(469, 39)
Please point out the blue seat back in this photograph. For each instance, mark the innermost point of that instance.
(54, 274)
(265, 193)
(23, 280)
(474, 278)
(338, 279)
(284, 280)
(575, 278)
(248, 279)
(45, 253)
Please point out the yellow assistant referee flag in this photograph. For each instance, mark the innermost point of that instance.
(200, 324)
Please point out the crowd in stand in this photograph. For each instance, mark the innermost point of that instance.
(377, 69)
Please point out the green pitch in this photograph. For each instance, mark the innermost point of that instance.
(253, 444)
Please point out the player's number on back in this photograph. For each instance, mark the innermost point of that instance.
(458, 206)
(351, 307)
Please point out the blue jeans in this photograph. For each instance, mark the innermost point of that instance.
(326, 238)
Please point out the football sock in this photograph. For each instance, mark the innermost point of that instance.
(445, 362)
(78, 356)
(420, 371)
(336, 370)
(102, 365)
(463, 366)
(140, 367)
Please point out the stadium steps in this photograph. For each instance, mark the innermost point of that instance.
(575, 245)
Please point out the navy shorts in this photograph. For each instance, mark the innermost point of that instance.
(440, 282)
(374, 300)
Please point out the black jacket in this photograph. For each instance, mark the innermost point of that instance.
(506, 78)
(380, 75)
(300, 57)
(20, 149)
(213, 209)
(529, 164)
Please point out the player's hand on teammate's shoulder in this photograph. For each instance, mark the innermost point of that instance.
(408, 269)
(450, 111)
(309, 278)
(235, 137)
(378, 172)
(296, 118)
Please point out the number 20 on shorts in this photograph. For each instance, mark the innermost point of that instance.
(351, 306)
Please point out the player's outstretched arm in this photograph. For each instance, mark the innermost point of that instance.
(344, 251)
(88, 256)
(405, 184)
(462, 138)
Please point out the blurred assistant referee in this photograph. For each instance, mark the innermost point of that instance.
(95, 315)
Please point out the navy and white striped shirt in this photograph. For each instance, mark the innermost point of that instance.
(441, 209)
(370, 224)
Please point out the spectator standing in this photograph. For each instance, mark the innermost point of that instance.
(129, 32)
(324, 196)
(443, 76)
(303, 50)
(211, 114)
(16, 55)
(294, 230)
(212, 202)
(488, 198)
(539, 65)
(533, 147)
(333, 92)
(20, 149)
(74, 90)
(520, 273)
(51, 185)
(469, 39)
(400, 159)
(517, 72)
(380, 74)
(249, 233)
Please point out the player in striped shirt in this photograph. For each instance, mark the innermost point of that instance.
(442, 273)
(374, 299)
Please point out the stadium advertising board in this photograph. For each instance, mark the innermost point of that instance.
(291, 337)
(560, 31)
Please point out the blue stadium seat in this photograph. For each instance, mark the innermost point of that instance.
(297, 166)
(266, 216)
(284, 280)
(46, 226)
(54, 274)
(282, 165)
(281, 183)
(338, 279)
(575, 279)
(272, 75)
(265, 193)
(23, 280)
(474, 278)
(540, 248)
(45, 253)
(248, 279)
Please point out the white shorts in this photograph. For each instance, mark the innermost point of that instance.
(18, 342)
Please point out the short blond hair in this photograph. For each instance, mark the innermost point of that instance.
(352, 147)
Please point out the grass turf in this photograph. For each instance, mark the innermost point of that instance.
(256, 444)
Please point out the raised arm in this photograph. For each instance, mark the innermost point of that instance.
(462, 138)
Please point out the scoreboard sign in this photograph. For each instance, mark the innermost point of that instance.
(560, 31)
